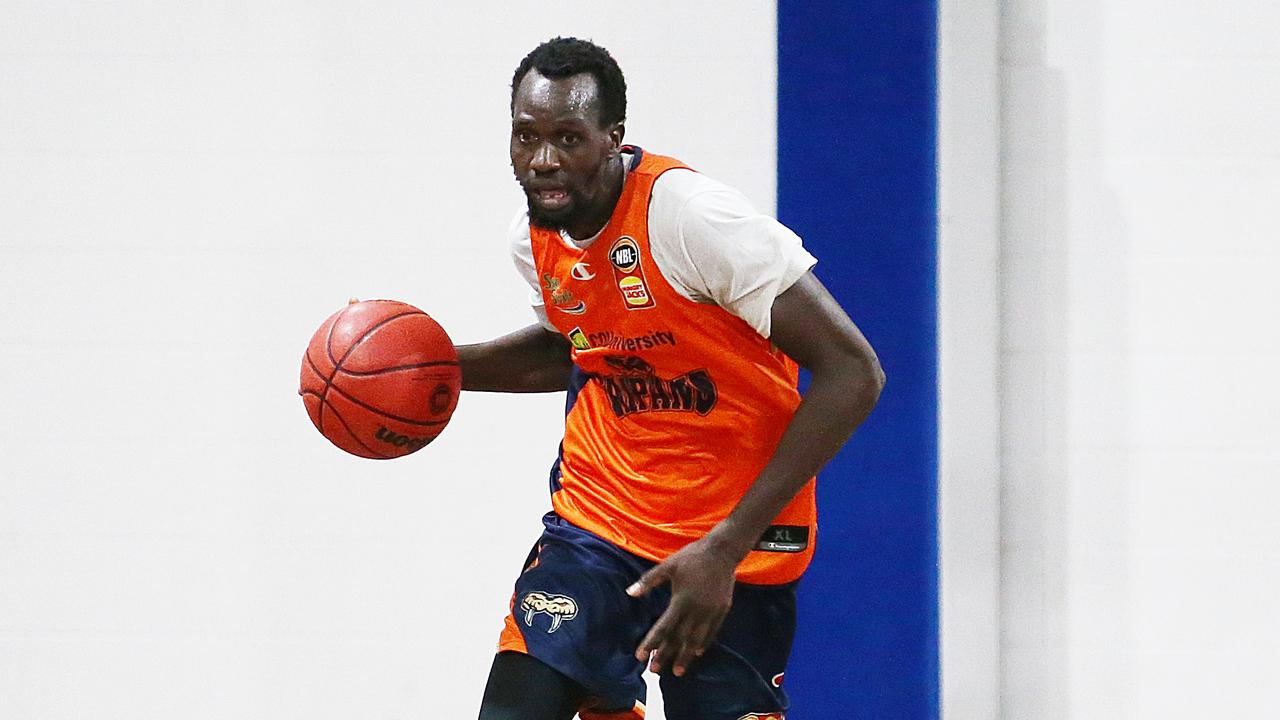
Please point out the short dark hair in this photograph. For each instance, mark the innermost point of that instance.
(563, 57)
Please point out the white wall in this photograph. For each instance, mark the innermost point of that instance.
(1140, 570)
(969, 184)
(186, 191)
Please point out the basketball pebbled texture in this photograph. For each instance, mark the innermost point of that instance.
(380, 379)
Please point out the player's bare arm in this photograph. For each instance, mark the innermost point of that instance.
(809, 325)
(531, 359)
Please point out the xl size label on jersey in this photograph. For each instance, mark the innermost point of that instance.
(784, 538)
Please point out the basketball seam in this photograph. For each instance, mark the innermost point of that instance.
(337, 364)
(367, 406)
(328, 341)
(350, 432)
(366, 373)
(328, 350)
(353, 435)
(384, 413)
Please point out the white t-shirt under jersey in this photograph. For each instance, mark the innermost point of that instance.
(708, 242)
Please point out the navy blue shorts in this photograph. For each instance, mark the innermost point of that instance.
(570, 610)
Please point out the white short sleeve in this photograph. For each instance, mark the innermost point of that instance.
(712, 246)
(522, 255)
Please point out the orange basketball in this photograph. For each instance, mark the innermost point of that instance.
(380, 379)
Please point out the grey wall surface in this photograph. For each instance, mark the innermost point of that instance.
(1137, 335)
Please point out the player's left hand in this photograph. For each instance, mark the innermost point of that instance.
(702, 578)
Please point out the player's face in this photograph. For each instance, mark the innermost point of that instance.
(567, 164)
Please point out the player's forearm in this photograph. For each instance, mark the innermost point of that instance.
(527, 360)
(839, 399)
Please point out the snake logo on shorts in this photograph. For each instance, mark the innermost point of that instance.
(557, 607)
(766, 716)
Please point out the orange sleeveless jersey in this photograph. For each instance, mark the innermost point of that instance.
(683, 404)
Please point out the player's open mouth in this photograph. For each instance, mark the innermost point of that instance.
(551, 199)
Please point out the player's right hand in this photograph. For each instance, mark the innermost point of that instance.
(702, 581)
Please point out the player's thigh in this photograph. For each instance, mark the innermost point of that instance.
(741, 674)
(571, 611)
(521, 687)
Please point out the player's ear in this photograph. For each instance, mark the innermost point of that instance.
(616, 133)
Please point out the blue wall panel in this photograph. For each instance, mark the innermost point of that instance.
(857, 180)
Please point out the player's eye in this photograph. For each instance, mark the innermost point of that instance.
(524, 137)
(570, 139)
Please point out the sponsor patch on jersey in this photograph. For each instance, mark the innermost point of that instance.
(784, 539)
(560, 608)
(581, 271)
(648, 341)
(634, 292)
(562, 298)
(634, 387)
(624, 255)
(579, 339)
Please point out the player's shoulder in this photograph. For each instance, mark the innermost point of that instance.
(681, 197)
(684, 184)
(518, 230)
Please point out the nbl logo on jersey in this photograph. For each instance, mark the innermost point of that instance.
(629, 274)
(624, 254)
(635, 387)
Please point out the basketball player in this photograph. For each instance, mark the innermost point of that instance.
(675, 315)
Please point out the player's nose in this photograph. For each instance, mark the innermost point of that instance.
(545, 159)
